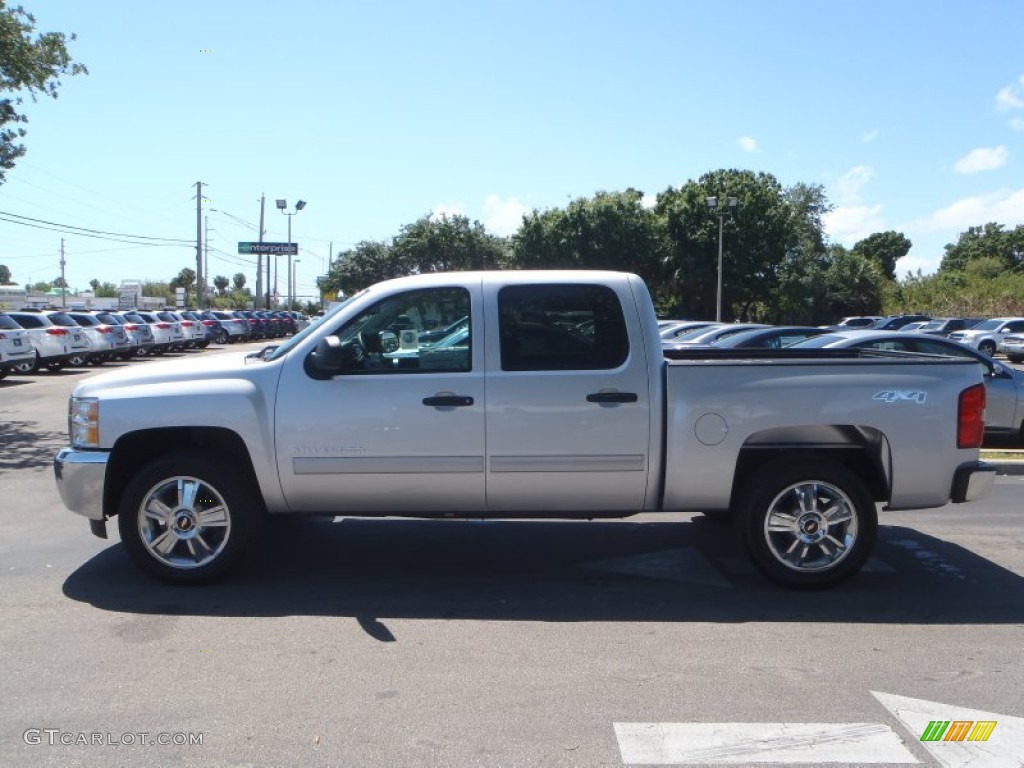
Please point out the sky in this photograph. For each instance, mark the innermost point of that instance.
(910, 113)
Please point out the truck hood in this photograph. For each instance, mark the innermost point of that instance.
(193, 370)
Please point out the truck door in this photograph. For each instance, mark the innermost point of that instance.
(401, 430)
(568, 411)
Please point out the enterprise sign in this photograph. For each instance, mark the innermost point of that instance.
(274, 249)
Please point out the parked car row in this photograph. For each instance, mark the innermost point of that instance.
(1004, 413)
(31, 339)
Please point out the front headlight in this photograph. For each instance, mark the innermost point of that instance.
(84, 422)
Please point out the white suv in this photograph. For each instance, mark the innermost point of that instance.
(17, 354)
(55, 346)
(987, 336)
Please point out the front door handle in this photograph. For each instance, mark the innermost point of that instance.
(457, 401)
(612, 397)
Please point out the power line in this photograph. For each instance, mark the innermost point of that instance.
(84, 230)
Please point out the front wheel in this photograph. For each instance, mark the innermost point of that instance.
(807, 524)
(987, 348)
(1014, 358)
(186, 521)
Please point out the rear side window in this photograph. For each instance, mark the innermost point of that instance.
(561, 328)
(62, 319)
(10, 325)
(31, 321)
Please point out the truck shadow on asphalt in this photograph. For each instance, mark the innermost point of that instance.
(372, 570)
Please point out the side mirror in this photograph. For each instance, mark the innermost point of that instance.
(329, 358)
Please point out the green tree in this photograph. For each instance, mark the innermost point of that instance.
(185, 279)
(758, 236)
(237, 282)
(221, 283)
(106, 290)
(612, 230)
(59, 282)
(448, 244)
(159, 291)
(41, 287)
(366, 264)
(30, 64)
(884, 248)
(988, 241)
(5, 275)
(94, 284)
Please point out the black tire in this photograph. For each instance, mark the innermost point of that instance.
(78, 360)
(189, 487)
(24, 367)
(987, 348)
(221, 337)
(808, 547)
(1015, 358)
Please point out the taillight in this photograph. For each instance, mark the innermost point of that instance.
(186, 323)
(209, 323)
(970, 418)
(57, 331)
(105, 329)
(131, 327)
(163, 326)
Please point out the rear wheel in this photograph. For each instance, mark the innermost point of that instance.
(807, 524)
(78, 360)
(1015, 358)
(185, 520)
(26, 366)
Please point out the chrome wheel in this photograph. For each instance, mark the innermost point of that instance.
(26, 366)
(77, 361)
(807, 523)
(811, 526)
(184, 523)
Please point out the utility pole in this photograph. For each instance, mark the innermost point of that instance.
(259, 264)
(206, 254)
(63, 281)
(199, 244)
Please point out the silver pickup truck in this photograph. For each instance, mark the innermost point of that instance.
(547, 395)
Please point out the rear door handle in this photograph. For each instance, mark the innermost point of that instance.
(458, 401)
(612, 397)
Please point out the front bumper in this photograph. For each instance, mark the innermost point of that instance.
(973, 481)
(81, 476)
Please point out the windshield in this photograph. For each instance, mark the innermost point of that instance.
(987, 325)
(819, 341)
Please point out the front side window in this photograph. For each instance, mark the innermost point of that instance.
(560, 328)
(399, 334)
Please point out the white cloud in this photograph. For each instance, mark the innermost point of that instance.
(870, 136)
(850, 223)
(748, 144)
(441, 210)
(848, 187)
(982, 159)
(1011, 97)
(503, 217)
(1017, 123)
(648, 201)
(1005, 207)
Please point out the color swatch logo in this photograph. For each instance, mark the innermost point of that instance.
(958, 730)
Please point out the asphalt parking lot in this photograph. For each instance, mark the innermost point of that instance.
(469, 643)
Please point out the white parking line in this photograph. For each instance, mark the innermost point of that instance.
(742, 743)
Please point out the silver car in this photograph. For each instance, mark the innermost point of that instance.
(108, 340)
(139, 334)
(237, 327)
(1004, 386)
(987, 336)
(191, 334)
(17, 354)
(166, 335)
(55, 346)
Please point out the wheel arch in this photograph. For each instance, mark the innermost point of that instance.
(863, 450)
(135, 450)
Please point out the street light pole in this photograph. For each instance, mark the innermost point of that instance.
(281, 205)
(295, 283)
(721, 213)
